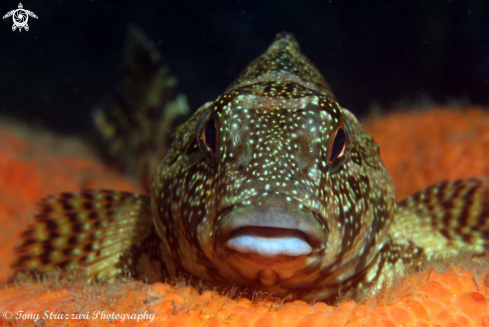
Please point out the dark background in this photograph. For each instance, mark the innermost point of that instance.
(371, 52)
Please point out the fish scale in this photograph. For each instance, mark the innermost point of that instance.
(272, 187)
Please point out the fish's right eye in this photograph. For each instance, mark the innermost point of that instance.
(208, 137)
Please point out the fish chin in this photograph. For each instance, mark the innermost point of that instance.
(267, 246)
(265, 266)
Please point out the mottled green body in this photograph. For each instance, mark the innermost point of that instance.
(276, 124)
(274, 187)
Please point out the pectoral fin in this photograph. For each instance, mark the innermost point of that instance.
(445, 217)
(93, 229)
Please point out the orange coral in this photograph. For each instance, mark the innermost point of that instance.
(418, 148)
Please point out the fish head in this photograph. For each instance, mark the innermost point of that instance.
(274, 185)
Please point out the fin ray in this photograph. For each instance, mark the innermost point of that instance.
(94, 229)
(446, 217)
(137, 120)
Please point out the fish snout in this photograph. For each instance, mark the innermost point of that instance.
(271, 232)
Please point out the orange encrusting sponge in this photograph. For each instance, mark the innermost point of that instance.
(35, 163)
(418, 148)
(455, 298)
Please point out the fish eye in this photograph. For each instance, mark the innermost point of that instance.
(338, 148)
(208, 137)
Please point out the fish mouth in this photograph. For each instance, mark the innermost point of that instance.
(270, 232)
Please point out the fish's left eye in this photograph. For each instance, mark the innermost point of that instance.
(338, 147)
(208, 137)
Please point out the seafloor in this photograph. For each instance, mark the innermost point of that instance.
(419, 148)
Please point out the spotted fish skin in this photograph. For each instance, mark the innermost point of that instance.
(273, 187)
(276, 123)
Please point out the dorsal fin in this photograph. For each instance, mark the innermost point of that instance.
(137, 120)
(283, 61)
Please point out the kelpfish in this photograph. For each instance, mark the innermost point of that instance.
(272, 187)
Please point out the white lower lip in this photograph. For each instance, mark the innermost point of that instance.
(293, 244)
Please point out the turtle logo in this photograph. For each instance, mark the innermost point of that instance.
(20, 17)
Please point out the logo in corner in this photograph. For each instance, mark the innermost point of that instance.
(20, 17)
